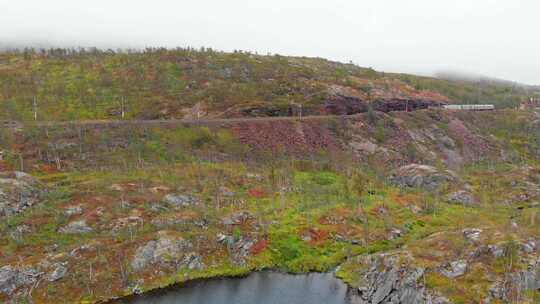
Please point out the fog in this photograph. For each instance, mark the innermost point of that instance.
(491, 37)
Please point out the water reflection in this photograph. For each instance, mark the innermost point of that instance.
(260, 288)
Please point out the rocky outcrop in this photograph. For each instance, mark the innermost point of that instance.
(237, 218)
(472, 234)
(422, 176)
(76, 227)
(164, 251)
(455, 269)
(12, 278)
(388, 279)
(18, 191)
(180, 200)
(461, 197)
(239, 247)
(59, 271)
(516, 285)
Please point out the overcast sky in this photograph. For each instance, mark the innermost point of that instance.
(498, 38)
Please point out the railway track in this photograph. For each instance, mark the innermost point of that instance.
(167, 122)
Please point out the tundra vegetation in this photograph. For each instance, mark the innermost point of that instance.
(449, 200)
(74, 84)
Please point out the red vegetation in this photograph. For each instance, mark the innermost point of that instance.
(315, 235)
(256, 193)
(259, 247)
(285, 136)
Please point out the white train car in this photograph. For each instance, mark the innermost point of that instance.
(470, 107)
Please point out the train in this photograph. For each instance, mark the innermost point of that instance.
(470, 107)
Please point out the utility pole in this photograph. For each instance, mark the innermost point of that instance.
(122, 106)
(34, 104)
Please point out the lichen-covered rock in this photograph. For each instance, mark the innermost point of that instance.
(12, 278)
(387, 279)
(166, 249)
(237, 218)
(455, 269)
(76, 227)
(422, 176)
(180, 200)
(239, 248)
(193, 261)
(18, 191)
(461, 197)
(59, 271)
(472, 234)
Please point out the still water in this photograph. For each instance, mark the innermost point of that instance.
(257, 288)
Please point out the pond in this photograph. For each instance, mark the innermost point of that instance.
(260, 287)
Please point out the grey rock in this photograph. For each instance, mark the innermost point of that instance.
(226, 192)
(73, 210)
(461, 197)
(76, 227)
(387, 280)
(472, 234)
(439, 300)
(13, 278)
(496, 250)
(19, 231)
(163, 251)
(528, 246)
(58, 273)
(421, 176)
(455, 269)
(395, 233)
(193, 261)
(18, 191)
(180, 200)
(237, 218)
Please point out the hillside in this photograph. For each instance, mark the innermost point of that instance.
(66, 84)
(447, 200)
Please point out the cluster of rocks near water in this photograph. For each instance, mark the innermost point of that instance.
(168, 251)
(396, 278)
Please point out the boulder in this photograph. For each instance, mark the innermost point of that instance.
(73, 210)
(237, 218)
(193, 261)
(472, 234)
(58, 272)
(226, 192)
(496, 251)
(422, 176)
(180, 200)
(13, 278)
(461, 197)
(18, 191)
(455, 269)
(76, 227)
(166, 249)
(18, 232)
